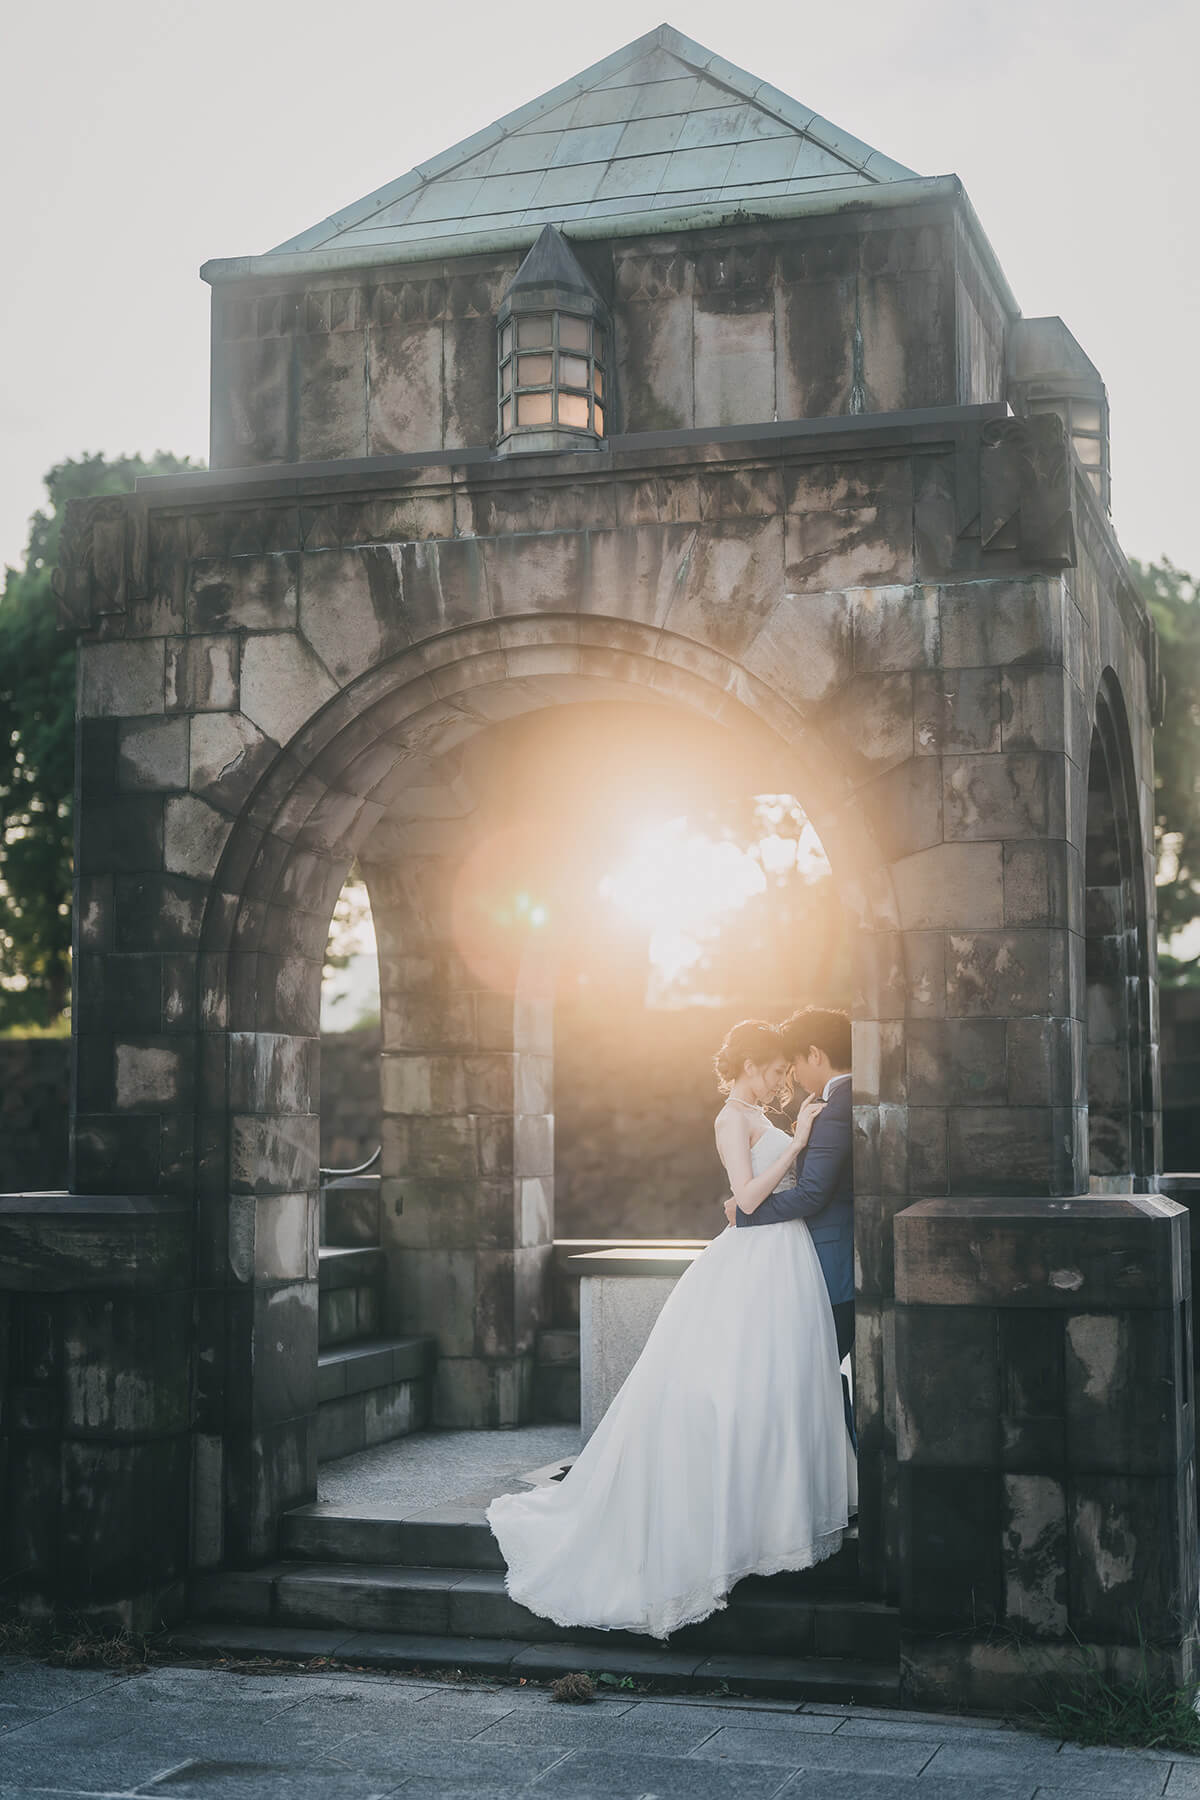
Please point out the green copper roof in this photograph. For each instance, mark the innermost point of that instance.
(662, 126)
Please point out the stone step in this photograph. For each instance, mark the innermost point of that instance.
(763, 1618)
(350, 1212)
(458, 1536)
(371, 1392)
(836, 1681)
(361, 1265)
(350, 1296)
(453, 1536)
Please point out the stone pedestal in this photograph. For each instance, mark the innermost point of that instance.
(95, 1358)
(1045, 1438)
(621, 1294)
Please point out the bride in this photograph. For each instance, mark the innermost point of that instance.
(725, 1453)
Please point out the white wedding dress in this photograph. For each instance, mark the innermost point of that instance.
(724, 1454)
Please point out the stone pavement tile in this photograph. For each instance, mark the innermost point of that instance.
(12, 1717)
(666, 1712)
(599, 1775)
(569, 1726)
(929, 1728)
(81, 1768)
(27, 1683)
(821, 1784)
(1054, 1772)
(810, 1750)
(1184, 1782)
(469, 1763)
(256, 1781)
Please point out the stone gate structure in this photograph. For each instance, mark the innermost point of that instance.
(665, 391)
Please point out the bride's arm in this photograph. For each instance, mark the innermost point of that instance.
(733, 1147)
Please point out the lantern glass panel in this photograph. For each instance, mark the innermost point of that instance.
(534, 371)
(573, 411)
(534, 409)
(534, 332)
(573, 371)
(572, 333)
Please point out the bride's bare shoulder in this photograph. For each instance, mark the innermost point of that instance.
(729, 1119)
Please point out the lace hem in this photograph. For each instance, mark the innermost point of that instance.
(686, 1609)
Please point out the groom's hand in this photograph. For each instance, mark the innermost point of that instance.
(731, 1210)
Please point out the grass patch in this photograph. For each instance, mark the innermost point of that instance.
(70, 1642)
(1142, 1714)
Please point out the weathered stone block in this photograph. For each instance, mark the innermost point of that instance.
(202, 674)
(1035, 1555)
(957, 1062)
(957, 710)
(272, 1073)
(951, 885)
(1122, 1392)
(995, 623)
(734, 368)
(996, 974)
(194, 835)
(404, 376)
(283, 684)
(1012, 1150)
(149, 1075)
(950, 1555)
(1032, 1398)
(121, 680)
(153, 754)
(241, 593)
(273, 1155)
(1002, 796)
(228, 755)
(352, 607)
(331, 412)
(947, 1395)
(124, 837)
(804, 648)
(1120, 1581)
(895, 628)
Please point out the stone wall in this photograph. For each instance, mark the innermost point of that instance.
(860, 313)
(35, 1078)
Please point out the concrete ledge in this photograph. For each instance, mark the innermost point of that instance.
(58, 1243)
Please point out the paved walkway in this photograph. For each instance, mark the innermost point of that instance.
(178, 1732)
(435, 1468)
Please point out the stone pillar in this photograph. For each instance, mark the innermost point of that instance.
(1045, 1434)
(467, 1193)
(968, 1038)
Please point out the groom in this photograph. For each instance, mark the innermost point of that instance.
(817, 1043)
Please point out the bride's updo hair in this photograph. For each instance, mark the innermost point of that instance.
(753, 1040)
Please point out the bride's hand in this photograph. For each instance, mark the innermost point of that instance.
(813, 1105)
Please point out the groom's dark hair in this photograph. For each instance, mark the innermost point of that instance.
(823, 1026)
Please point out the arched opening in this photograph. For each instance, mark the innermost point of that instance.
(1120, 1074)
(397, 773)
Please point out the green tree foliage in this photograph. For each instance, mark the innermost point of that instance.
(37, 749)
(1174, 601)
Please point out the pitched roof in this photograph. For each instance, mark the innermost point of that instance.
(661, 127)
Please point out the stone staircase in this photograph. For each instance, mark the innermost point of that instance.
(386, 1587)
(427, 1591)
(370, 1387)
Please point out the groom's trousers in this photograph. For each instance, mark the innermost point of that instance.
(843, 1324)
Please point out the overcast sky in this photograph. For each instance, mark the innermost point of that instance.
(143, 136)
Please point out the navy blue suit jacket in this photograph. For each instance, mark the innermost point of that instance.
(823, 1195)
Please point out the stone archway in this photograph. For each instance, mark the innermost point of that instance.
(470, 1279)
(1123, 1118)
